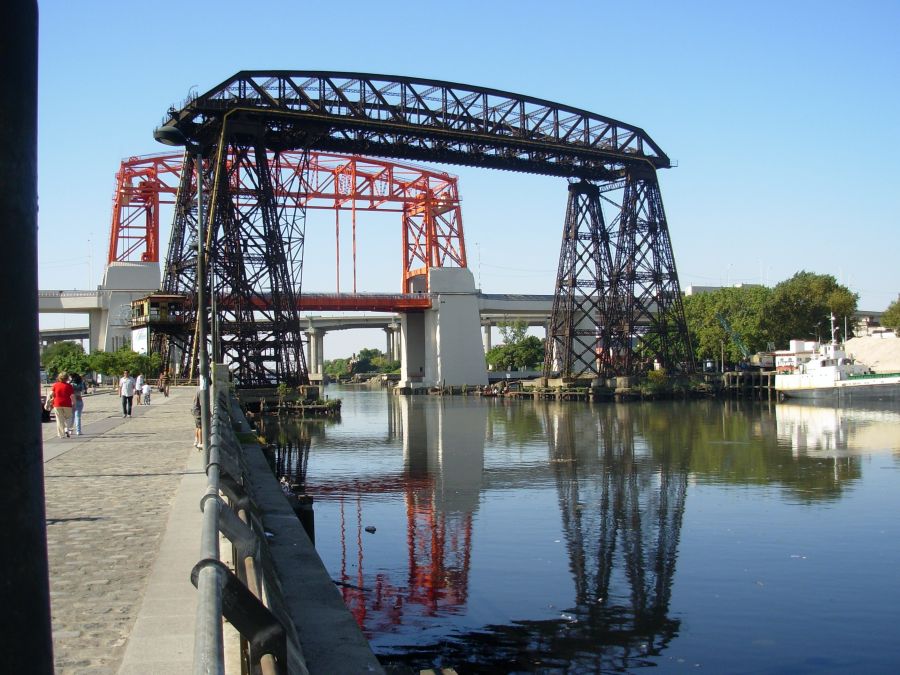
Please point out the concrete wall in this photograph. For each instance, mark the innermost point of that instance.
(453, 334)
(123, 283)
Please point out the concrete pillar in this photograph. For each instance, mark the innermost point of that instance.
(389, 341)
(395, 342)
(95, 323)
(441, 346)
(486, 339)
(313, 350)
(320, 352)
(310, 352)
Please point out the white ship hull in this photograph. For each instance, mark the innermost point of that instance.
(818, 387)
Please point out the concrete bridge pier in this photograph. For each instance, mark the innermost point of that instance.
(486, 338)
(390, 339)
(315, 351)
(442, 346)
(396, 352)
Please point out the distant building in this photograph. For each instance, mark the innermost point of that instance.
(697, 290)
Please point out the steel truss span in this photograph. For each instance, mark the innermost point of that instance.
(605, 298)
(422, 119)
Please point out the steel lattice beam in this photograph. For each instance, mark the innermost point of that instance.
(421, 119)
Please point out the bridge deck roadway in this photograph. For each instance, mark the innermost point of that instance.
(123, 532)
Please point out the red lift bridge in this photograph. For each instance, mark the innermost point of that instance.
(427, 201)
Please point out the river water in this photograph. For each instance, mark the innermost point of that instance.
(518, 537)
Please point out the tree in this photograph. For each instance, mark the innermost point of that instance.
(512, 332)
(113, 363)
(745, 309)
(801, 307)
(64, 356)
(891, 316)
(518, 350)
(337, 368)
(103, 362)
(365, 361)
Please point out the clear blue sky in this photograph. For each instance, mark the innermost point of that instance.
(784, 119)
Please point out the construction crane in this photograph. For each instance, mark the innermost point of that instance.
(735, 337)
(761, 360)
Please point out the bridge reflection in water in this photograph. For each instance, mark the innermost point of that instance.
(619, 506)
(519, 536)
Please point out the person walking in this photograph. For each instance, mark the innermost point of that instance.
(63, 396)
(79, 388)
(145, 392)
(139, 386)
(126, 391)
(164, 384)
(198, 424)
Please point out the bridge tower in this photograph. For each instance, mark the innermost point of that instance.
(254, 250)
(617, 305)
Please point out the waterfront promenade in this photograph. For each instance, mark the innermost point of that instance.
(123, 532)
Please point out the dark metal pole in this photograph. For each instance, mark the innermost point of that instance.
(202, 313)
(24, 586)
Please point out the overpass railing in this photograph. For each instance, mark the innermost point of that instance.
(248, 598)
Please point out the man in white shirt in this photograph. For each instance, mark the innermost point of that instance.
(126, 391)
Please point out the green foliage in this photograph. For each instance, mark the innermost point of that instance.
(104, 362)
(70, 356)
(891, 316)
(745, 309)
(528, 352)
(67, 356)
(366, 361)
(512, 332)
(801, 307)
(519, 350)
(337, 368)
(655, 382)
(282, 391)
(797, 308)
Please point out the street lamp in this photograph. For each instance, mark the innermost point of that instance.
(169, 135)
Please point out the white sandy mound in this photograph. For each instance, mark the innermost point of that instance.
(881, 354)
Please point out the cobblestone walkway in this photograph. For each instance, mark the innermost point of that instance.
(109, 493)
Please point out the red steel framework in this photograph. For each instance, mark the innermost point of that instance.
(428, 201)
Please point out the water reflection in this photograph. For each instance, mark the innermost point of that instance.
(469, 496)
(825, 430)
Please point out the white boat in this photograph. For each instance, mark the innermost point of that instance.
(810, 370)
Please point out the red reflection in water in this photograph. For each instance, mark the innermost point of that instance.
(438, 557)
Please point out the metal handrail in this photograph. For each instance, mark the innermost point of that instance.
(270, 638)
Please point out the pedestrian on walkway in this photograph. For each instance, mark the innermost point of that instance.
(198, 424)
(79, 388)
(145, 391)
(139, 386)
(126, 391)
(164, 384)
(63, 395)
